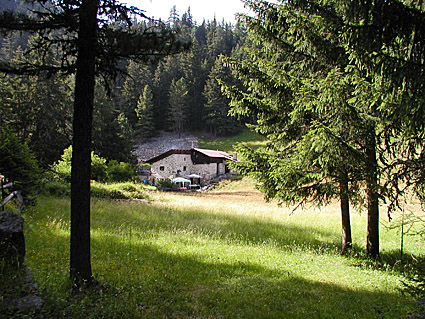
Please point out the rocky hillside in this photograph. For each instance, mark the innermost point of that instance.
(166, 141)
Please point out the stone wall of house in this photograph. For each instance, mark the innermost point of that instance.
(181, 165)
(208, 171)
(173, 165)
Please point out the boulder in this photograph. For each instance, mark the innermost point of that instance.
(12, 252)
(12, 240)
(30, 298)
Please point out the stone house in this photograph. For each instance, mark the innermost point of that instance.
(198, 165)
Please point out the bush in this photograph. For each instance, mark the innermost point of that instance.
(62, 168)
(57, 188)
(99, 190)
(119, 171)
(18, 164)
(165, 183)
(118, 191)
(98, 168)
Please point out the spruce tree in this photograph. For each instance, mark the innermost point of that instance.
(39, 109)
(178, 105)
(385, 39)
(138, 76)
(316, 110)
(145, 126)
(195, 76)
(217, 115)
(112, 132)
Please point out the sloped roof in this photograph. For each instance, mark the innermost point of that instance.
(208, 153)
(215, 154)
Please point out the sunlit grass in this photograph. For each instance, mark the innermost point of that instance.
(221, 254)
(246, 137)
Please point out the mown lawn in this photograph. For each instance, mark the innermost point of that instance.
(222, 254)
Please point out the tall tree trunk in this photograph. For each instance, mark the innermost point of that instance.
(80, 265)
(372, 247)
(345, 212)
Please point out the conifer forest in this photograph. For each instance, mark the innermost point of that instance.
(177, 93)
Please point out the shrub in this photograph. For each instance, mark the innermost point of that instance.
(18, 164)
(165, 183)
(118, 190)
(119, 171)
(100, 191)
(62, 168)
(98, 168)
(57, 188)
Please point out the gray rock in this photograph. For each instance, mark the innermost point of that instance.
(30, 301)
(12, 241)
(145, 150)
(12, 252)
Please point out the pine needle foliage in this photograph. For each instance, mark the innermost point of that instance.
(320, 111)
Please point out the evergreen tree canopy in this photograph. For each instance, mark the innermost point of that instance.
(386, 40)
(321, 112)
(145, 126)
(217, 106)
(178, 103)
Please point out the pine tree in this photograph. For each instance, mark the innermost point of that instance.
(167, 71)
(112, 132)
(386, 41)
(139, 75)
(317, 112)
(18, 164)
(178, 104)
(217, 106)
(145, 126)
(39, 109)
(195, 76)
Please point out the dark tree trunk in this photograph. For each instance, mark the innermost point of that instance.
(345, 212)
(80, 265)
(372, 246)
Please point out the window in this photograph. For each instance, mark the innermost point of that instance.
(184, 168)
(161, 168)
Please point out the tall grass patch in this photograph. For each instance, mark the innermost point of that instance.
(222, 254)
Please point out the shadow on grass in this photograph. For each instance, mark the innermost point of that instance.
(179, 286)
(243, 229)
(249, 230)
(252, 231)
(141, 281)
(146, 282)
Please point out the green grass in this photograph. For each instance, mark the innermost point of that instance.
(246, 136)
(221, 254)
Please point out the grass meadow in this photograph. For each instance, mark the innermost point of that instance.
(246, 137)
(219, 254)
